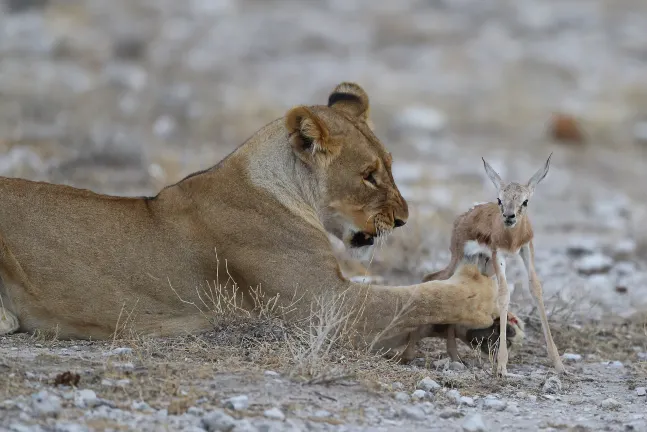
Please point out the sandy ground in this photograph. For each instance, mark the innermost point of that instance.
(126, 96)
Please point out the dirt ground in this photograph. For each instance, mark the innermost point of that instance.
(127, 96)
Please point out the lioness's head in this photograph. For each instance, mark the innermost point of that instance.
(360, 200)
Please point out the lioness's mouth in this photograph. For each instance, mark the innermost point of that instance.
(362, 239)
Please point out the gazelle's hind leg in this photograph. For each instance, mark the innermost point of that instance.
(528, 256)
(503, 302)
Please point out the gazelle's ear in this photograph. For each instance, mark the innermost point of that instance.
(494, 177)
(539, 175)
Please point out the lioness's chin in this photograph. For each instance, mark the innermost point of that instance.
(359, 244)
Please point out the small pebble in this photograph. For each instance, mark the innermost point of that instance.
(456, 366)
(570, 357)
(413, 412)
(466, 400)
(271, 373)
(427, 384)
(418, 394)
(450, 413)
(615, 364)
(401, 397)
(218, 421)
(86, 398)
(552, 385)
(322, 414)
(237, 403)
(474, 423)
(453, 395)
(593, 264)
(274, 413)
(641, 391)
(494, 404)
(610, 404)
(119, 351)
(46, 404)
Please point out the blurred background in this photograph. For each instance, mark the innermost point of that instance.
(126, 96)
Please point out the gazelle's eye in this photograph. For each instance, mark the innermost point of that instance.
(499, 200)
(525, 203)
(371, 179)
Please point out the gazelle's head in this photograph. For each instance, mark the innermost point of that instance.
(513, 197)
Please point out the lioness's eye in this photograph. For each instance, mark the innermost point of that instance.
(371, 179)
(525, 203)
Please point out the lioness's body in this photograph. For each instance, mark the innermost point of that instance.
(75, 261)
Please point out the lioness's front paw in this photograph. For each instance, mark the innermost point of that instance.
(8, 322)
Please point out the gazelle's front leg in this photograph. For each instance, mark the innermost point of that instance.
(503, 301)
(528, 256)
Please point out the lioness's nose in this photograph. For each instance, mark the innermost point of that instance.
(399, 222)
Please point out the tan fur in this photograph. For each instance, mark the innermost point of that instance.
(485, 224)
(77, 262)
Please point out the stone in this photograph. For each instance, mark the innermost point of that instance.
(270, 373)
(322, 414)
(610, 404)
(570, 357)
(641, 391)
(401, 397)
(552, 385)
(397, 385)
(456, 366)
(418, 394)
(274, 413)
(413, 413)
(450, 413)
(427, 384)
(593, 264)
(218, 421)
(466, 400)
(474, 423)
(237, 403)
(453, 395)
(86, 398)
(46, 404)
(578, 246)
(494, 404)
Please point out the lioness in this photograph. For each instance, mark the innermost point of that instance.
(74, 260)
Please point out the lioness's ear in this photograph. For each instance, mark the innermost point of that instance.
(350, 98)
(309, 136)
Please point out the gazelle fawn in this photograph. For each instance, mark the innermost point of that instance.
(496, 229)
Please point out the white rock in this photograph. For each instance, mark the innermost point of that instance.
(218, 421)
(625, 248)
(466, 400)
(552, 385)
(641, 391)
(237, 403)
(46, 404)
(642, 355)
(271, 373)
(593, 264)
(274, 413)
(401, 397)
(474, 423)
(513, 408)
(453, 395)
(615, 364)
(413, 412)
(570, 357)
(70, 427)
(494, 404)
(86, 398)
(418, 394)
(610, 404)
(322, 414)
(427, 384)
